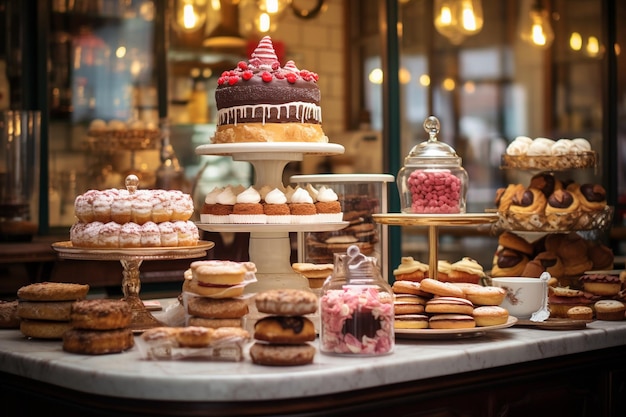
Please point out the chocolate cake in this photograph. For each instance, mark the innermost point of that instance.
(260, 101)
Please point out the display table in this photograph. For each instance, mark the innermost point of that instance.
(587, 365)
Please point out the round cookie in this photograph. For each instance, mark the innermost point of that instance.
(282, 355)
(409, 287)
(213, 323)
(8, 315)
(290, 302)
(443, 289)
(451, 321)
(53, 291)
(96, 342)
(449, 305)
(611, 310)
(44, 329)
(213, 291)
(411, 321)
(491, 315)
(220, 308)
(485, 296)
(100, 314)
(580, 313)
(216, 272)
(45, 310)
(284, 329)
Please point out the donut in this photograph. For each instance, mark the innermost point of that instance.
(284, 329)
(410, 321)
(216, 272)
(100, 314)
(44, 329)
(282, 355)
(490, 315)
(213, 323)
(451, 321)
(8, 315)
(53, 291)
(194, 336)
(286, 301)
(485, 296)
(219, 308)
(449, 305)
(45, 310)
(444, 289)
(97, 342)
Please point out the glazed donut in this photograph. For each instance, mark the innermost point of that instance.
(53, 291)
(8, 315)
(289, 302)
(282, 355)
(220, 308)
(449, 305)
(444, 289)
(485, 296)
(97, 342)
(44, 329)
(490, 315)
(45, 310)
(100, 314)
(284, 329)
(451, 321)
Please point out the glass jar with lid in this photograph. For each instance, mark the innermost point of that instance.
(356, 308)
(432, 180)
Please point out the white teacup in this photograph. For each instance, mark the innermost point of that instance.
(524, 295)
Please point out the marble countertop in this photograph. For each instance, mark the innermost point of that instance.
(127, 375)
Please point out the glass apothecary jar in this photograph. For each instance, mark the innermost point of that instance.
(356, 308)
(432, 180)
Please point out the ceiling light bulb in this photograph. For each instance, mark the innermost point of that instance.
(575, 41)
(457, 19)
(536, 28)
(190, 15)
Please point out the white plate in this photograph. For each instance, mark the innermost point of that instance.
(310, 148)
(451, 333)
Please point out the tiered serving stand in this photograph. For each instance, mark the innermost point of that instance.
(270, 246)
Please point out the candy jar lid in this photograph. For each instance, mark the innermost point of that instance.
(432, 151)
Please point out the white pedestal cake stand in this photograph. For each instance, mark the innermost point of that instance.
(270, 246)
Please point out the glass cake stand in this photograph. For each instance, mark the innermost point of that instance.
(131, 259)
(433, 222)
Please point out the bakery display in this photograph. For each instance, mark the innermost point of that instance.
(283, 335)
(116, 218)
(548, 154)
(262, 101)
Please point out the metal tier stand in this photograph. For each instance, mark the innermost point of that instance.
(433, 222)
(270, 246)
(131, 259)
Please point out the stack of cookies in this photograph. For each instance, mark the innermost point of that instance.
(213, 290)
(44, 308)
(282, 336)
(99, 327)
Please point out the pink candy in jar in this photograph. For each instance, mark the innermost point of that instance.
(434, 191)
(432, 180)
(356, 309)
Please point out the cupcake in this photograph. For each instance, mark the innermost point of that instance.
(208, 207)
(301, 207)
(121, 209)
(161, 207)
(181, 205)
(248, 208)
(102, 206)
(223, 207)
(327, 206)
(141, 205)
(109, 236)
(83, 206)
(443, 269)
(275, 207)
(187, 233)
(169, 236)
(466, 270)
(130, 235)
(150, 235)
(410, 270)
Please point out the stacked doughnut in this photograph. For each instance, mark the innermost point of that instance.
(44, 308)
(433, 304)
(212, 291)
(283, 336)
(99, 327)
(549, 204)
(117, 218)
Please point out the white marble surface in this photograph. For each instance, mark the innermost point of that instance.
(128, 375)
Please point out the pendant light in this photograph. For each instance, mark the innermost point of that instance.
(458, 19)
(535, 26)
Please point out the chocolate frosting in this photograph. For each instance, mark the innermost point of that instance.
(600, 278)
(295, 323)
(593, 192)
(543, 182)
(526, 199)
(561, 199)
(508, 258)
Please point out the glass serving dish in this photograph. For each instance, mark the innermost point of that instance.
(550, 163)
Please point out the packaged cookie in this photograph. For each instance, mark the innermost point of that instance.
(360, 196)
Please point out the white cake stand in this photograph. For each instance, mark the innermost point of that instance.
(270, 246)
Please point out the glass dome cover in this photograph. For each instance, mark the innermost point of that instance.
(432, 151)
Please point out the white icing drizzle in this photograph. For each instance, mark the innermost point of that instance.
(303, 111)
